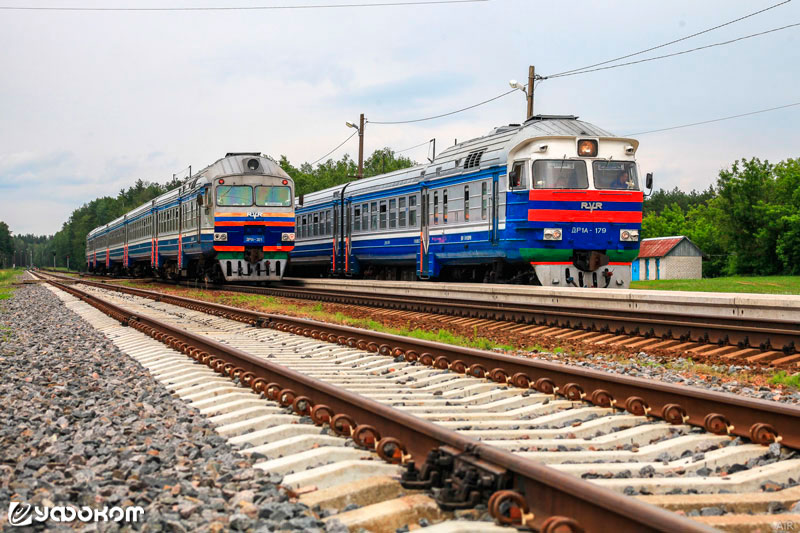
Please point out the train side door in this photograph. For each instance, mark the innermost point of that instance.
(494, 209)
(337, 213)
(348, 235)
(424, 233)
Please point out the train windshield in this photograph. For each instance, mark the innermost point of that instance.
(234, 195)
(620, 175)
(277, 196)
(560, 174)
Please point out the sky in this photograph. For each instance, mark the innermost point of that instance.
(92, 101)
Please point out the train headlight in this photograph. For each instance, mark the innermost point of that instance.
(629, 235)
(587, 148)
(252, 164)
(220, 237)
(287, 236)
(552, 234)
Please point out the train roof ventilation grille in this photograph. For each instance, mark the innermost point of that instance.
(473, 159)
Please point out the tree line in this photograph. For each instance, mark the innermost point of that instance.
(70, 240)
(748, 223)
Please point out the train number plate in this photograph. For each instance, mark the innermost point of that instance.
(254, 239)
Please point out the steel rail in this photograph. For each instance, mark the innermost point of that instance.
(783, 335)
(761, 421)
(683, 325)
(551, 498)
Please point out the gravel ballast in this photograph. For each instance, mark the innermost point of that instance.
(85, 425)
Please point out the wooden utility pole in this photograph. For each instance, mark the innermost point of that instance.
(531, 76)
(361, 147)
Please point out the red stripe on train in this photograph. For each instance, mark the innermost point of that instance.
(559, 215)
(586, 196)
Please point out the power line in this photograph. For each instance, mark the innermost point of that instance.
(241, 8)
(444, 114)
(673, 54)
(329, 153)
(675, 41)
(416, 146)
(714, 120)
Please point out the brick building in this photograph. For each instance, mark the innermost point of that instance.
(668, 258)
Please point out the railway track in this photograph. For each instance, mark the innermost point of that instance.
(463, 424)
(757, 330)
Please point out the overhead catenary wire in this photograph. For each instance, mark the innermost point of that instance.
(443, 114)
(714, 120)
(682, 52)
(340, 145)
(673, 41)
(241, 8)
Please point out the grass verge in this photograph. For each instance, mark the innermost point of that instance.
(754, 284)
(7, 277)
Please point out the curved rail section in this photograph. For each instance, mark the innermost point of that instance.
(467, 471)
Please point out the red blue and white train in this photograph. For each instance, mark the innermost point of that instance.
(555, 201)
(232, 221)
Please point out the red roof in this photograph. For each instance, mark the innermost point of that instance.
(658, 247)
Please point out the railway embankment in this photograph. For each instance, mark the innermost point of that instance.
(84, 425)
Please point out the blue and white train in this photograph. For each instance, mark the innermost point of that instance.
(232, 221)
(555, 201)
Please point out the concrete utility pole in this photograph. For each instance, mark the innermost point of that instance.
(361, 123)
(361, 147)
(531, 77)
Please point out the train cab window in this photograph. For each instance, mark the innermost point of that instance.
(373, 211)
(412, 211)
(273, 196)
(560, 174)
(620, 175)
(484, 200)
(357, 218)
(401, 213)
(436, 207)
(383, 214)
(518, 177)
(392, 213)
(234, 195)
(466, 203)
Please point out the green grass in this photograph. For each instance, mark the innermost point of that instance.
(7, 277)
(783, 378)
(754, 284)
